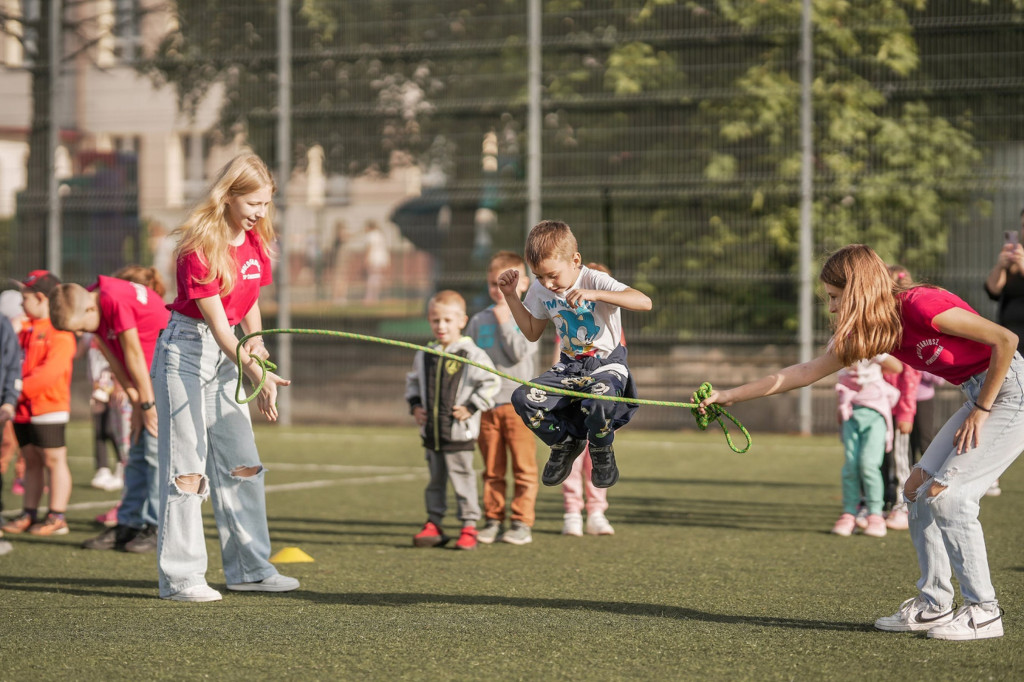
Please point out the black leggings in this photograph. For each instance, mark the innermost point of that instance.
(103, 433)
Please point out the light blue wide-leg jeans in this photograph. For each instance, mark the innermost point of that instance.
(204, 431)
(945, 528)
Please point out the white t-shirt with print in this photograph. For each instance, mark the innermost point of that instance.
(592, 328)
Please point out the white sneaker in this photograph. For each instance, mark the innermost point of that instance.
(275, 583)
(490, 532)
(572, 525)
(971, 622)
(597, 524)
(99, 479)
(915, 614)
(897, 520)
(195, 593)
(105, 479)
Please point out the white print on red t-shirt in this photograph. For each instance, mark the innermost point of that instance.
(251, 263)
(140, 293)
(936, 352)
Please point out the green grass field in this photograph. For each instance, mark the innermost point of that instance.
(721, 568)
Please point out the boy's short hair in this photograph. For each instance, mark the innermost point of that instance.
(67, 302)
(448, 297)
(550, 239)
(503, 260)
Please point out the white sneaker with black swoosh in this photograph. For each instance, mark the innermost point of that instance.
(971, 622)
(915, 614)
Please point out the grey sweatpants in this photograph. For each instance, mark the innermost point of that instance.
(456, 467)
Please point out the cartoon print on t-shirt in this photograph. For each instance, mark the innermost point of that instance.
(579, 328)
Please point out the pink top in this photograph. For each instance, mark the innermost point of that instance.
(907, 383)
(253, 272)
(126, 305)
(861, 385)
(926, 389)
(924, 347)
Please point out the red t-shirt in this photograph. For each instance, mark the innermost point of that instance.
(925, 348)
(126, 305)
(252, 272)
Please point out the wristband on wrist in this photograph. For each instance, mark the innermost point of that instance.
(148, 405)
(983, 409)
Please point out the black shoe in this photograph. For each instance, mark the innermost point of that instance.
(605, 473)
(111, 538)
(144, 541)
(560, 462)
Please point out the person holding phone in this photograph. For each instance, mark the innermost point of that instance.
(1005, 284)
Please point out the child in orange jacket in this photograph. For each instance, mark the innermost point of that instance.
(43, 409)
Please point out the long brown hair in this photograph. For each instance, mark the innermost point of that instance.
(206, 229)
(868, 321)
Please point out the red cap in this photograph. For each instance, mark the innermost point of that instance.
(42, 281)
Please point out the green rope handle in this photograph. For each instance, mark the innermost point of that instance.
(713, 412)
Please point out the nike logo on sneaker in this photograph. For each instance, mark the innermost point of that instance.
(978, 626)
(920, 618)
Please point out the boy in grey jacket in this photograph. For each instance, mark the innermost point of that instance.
(446, 398)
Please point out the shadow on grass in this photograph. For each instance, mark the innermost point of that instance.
(722, 482)
(396, 599)
(784, 516)
(82, 587)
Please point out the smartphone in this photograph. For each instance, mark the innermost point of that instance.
(1011, 237)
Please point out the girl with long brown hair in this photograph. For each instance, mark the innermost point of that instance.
(931, 329)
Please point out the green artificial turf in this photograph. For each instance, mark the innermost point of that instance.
(721, 568)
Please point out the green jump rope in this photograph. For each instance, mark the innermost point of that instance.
(713, 412)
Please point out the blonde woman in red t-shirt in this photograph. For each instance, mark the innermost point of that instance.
(223, 259)
(929, 329)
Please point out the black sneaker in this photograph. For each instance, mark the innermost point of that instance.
(560, 462)
(605, 473)
(112, 538)
(144, 541)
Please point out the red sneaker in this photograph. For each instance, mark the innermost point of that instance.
(430, 536)
(467, 539)
(109, 517)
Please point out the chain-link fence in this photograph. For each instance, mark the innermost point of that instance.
(669, 142)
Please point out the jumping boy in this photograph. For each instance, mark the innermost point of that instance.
(504, 439)
(446, 398)
(585, 307)
(126, 318)
(43, 410)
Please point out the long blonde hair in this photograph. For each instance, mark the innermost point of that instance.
(868, 321)
(206, 230)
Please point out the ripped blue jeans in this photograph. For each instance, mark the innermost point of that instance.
(945, 528)
(205, 435)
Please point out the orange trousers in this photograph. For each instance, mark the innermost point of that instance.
(504, 436)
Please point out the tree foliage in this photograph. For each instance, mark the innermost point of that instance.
(671, 127)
